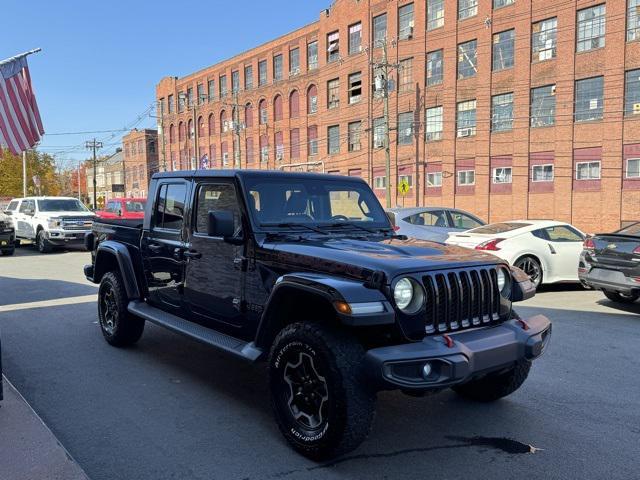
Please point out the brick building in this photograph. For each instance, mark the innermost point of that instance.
(140, 149)
(506, 108)
(109, 178)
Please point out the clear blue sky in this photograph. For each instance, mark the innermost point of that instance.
(100, 61)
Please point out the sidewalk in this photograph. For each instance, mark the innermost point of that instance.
(28, 449)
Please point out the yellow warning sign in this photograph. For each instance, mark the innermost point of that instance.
(403, 187)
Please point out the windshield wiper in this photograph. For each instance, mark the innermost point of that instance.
(352, 225)
(294, 225)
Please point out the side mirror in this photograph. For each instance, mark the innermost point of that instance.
(220, 224)
(8, 213)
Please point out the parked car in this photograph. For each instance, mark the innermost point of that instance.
(7, 235)
(305, 272)
(547, 251)
(611, 262)
(125, 208)
(432, 223)
(50, 221)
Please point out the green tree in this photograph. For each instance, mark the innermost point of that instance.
(39, 165)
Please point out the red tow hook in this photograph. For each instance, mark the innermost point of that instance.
(448, 341)
(525, 326)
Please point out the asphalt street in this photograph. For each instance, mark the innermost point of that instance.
(171, 408)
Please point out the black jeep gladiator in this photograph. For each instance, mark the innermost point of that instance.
(304, 271)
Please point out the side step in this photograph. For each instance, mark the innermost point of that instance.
(226, 343)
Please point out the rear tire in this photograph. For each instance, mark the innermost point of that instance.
(42, 244)
(321, 405)
(119, 327)
(621, 297)
(495, 386)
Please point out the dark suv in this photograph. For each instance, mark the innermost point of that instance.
(305, 271)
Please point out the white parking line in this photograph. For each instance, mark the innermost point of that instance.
(57, 302)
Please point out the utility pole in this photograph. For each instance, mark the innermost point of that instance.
(94, 145)
(385, 66)
(237, 127)
(79, 192)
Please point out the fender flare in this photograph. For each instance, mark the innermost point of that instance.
(125, 265)
(330, 289)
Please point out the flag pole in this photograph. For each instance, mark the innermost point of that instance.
(20, 55)
(24, 173)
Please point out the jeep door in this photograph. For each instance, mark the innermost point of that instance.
(162, 246)
(214, 275)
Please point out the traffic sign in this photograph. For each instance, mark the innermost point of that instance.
(403, 187)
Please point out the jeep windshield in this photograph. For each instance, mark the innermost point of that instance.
(317, 202)
(61, 205)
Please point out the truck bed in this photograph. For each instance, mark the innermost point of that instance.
(125, 231)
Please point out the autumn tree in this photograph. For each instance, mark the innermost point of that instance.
(40, 166)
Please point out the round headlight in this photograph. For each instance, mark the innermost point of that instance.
(504, 282)
(408, 295)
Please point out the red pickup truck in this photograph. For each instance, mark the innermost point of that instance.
(125, 208)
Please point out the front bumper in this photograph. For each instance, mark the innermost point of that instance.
(458, 357)
(7, 240)
(65, 237)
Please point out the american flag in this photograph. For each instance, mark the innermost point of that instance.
(20, 123)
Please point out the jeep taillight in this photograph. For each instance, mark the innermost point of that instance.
(589, 244)
(490, 245)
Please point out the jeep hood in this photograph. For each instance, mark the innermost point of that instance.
(358, 258)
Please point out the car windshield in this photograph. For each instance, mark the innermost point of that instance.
(499, 228)
(312, 201)
(61, 205)
(135, 206)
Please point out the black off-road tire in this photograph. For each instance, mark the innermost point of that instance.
(8, 251)
(119, 327)
(333, 359)
(42, 244)
(495, 386)
(621, 298)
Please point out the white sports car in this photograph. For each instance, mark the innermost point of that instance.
(546, 250)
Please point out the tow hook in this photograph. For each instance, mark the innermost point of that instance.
(525, 326)
(448, 341)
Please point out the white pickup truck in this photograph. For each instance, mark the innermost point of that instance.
(50, 221)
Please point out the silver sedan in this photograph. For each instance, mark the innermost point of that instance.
(432, 223)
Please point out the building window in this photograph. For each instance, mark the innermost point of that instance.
(502, 112)
(355, 38)
(406, 178)
(435, 14)
(294, 62)
(543, 106)
(333, 47)
(466, 178)
(263, 112)
(434, 68)
(170, 105)
(333, 139)
(434, 179)
(542, 173)
(378, 132)
(354, 136)
(201, 96)
(633, 168)
(405, 128)
(591, 28)
(544, 40)
(264, 148)
(279, 146)
(312, 140)
(379, 30)
(467, 59)
(262, 72)
(633, 20)
(405, 22)
(355, 88)
(502, 175)
(211, 87)
(405, 74)
(502, 3)
(435, 124)
(294, 104)
(190, 97)
(466, 119)
(588, 171)
(248, 115)
(181, 99)
(589, 99)
(632, 93)
(312, 55)
(467, 8)
(248, 77)
(277, 68)
(294, 137)
(333, 93)
(312, 99)
(277, 108)
(235, 82)
(223, 86)
(503, 47)
(379, 183)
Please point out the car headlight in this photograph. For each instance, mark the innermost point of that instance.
(408, 295)
(53, 222)
(504, 282)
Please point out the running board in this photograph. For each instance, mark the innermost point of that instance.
(226, 343)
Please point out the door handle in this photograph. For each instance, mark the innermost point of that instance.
(191, 254)
(154, 247)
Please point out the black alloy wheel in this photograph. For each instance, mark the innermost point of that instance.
(532, 268)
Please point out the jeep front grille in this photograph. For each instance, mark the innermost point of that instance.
(461, 299)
